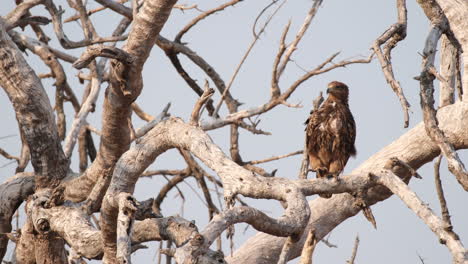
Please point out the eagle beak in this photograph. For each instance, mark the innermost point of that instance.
(329, 90)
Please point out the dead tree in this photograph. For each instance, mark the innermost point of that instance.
(61, 205)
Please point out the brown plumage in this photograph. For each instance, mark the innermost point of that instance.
(331, 132)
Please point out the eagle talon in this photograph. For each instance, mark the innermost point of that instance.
(321, 172)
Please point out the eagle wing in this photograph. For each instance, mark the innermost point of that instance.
(319, 141)
(330, 136)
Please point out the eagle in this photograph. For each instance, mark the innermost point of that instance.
(330, 134)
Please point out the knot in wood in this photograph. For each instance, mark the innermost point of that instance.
(43, 225)
(197, 241)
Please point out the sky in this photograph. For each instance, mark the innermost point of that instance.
(346, 26)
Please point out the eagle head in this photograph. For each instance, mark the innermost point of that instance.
(338, 90)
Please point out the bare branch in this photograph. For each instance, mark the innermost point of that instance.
(293, 46)
(80, 118)
(309, 247)
(8, 156)
(125, 221)
(355, 248)
(66, 43)
(125, 86)
(455, 165)
(437, 226)
(141, 114)
(117, 7)
(172, 55)
(207, 93)
(275, 90)
(90, 12)
(415, 148)
(244, 58)
(171, 46)
(192, 23)
(102, 51)
(22, 9)
(163, 115)
(440, 194)
(393, 35)
(253, 162)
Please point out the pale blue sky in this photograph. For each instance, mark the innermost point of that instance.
(346, 26)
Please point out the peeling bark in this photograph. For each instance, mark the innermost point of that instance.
(33, 112)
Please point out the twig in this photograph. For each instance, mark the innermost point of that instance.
(81, 117)
(327, 242)
(252, 128)
(198, 172)
(253, 162)
(90, 12)
(396, 33)
(151, 173)
(66, 43)
(320, 69)
(117, 7)
(8, 156)
(244, 58)
(207, 93)
(172, 55)
(192, 23)
(102, 51)
(185, 7)
(275, 90)
(293, 46)
(147, 127)
(166, 188)
(234, 117)
(166, 44)
(354, 252)
(140, 113)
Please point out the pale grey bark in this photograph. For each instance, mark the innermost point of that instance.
(439, 227)
(53, 221)
(456, 12)
(33, 112)
(414, 147)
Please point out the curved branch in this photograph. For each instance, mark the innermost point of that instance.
(414, 148)
(236, 180)
(12, 194)
(455, 165)
(74, 226)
